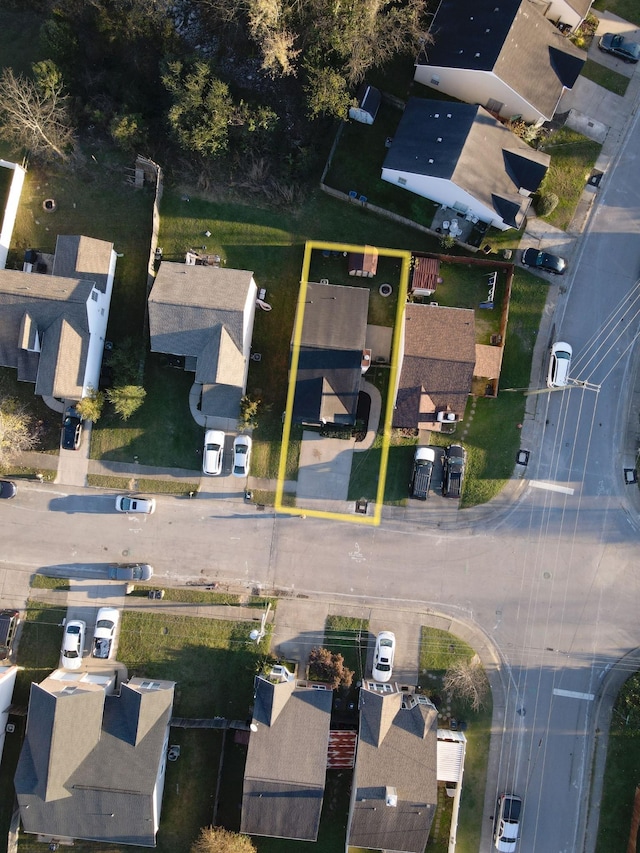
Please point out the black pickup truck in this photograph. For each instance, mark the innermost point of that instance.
(422, 472)
(454, 461)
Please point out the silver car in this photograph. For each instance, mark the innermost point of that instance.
(130, 503)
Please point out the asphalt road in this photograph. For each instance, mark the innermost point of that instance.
(553, 583)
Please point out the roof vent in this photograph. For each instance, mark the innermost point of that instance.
(431, 159)
(391, 797)
(436, 115)
(439, 139)
(477, 55)
(488, 30)
(448, 115)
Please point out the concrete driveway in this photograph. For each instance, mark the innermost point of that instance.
(324, 472)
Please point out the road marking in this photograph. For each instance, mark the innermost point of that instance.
(573, 694)
(357, 555)
(551, 487)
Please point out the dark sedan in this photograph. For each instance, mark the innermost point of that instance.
(544, 261)
(628, 51)
(8, 489)
(71, 430)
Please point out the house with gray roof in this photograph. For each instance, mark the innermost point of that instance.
(92, 764)
(394, 790)
(286, 765)
(53, 326)
(436, 152)
(502, 54)
(438, 358)
(205, 314)
(332, 343)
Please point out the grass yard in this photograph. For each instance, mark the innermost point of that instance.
(438, 651)
(621, 773)
(349, 637)
(627, 9)
(162, 431)
(606, 77)
(157, 487)
(572, 159)
(365, 470)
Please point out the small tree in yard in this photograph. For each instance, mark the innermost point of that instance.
(215, 839)
(249, 408)
(90, 407)
(468, 681)
(328, 666)
(126, 399)
(16, 430)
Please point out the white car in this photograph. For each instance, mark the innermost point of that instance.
(507, 823)
(241, 455)
(73, 644)
(213, 452)
(383, 656)
(559, 365)
(130, 503)
(105, 632)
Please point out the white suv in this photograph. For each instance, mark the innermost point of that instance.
(507, 823)
(559, 365)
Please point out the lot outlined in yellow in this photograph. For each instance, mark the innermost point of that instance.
(310, 247)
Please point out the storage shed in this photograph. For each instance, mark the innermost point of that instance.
(369, 99)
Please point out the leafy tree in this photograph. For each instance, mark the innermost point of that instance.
(16, 430)
(327, 94)
(34, 114)
(328, 666)
(202, 108)
(90, 407)
(249, 409)
(215, 839)
(126, 399)
(126, 361)
(128, 131)
(468, 681)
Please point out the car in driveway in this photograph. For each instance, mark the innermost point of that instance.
(383, 656)
(617, 45)
(9, 621)
(104, 633)
(544, 261)
(559, 365)
(213, 453)
(453, 470)
(130, 572)
(506, 830)
(8, 489)
(71, 430)
(131, 503)
(73, 643)
(423, 462)
(241, 455)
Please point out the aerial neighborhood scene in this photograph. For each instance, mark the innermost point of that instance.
(319, 426)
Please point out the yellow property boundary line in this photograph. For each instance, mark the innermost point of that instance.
(405, 257)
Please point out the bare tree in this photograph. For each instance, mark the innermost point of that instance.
(468, 681)
(16, 430)
(215, 839)
(34, 114)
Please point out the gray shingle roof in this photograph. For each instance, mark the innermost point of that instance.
(439, 361)
(95, 780)
(329, 365)
(83, 257)
(397, 749)
(449, 141)
(511, 39)
(286, 763)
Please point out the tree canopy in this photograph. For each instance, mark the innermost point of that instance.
(215, 839)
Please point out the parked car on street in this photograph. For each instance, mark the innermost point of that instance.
(71, 430)
(241, 455)
(628, 51)
(130, 503)
(105, 632)
(506, 828)
(9, 621)
(130, 572)
(454, 461)
(213, 452)
(8, 489)
(383, 656)
(423, 462)
(73, 644)
(559, 365)
(544, 261)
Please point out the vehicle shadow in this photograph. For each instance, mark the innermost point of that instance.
(101, 504)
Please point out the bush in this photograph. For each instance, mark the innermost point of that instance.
(329, 667)
(546, 203)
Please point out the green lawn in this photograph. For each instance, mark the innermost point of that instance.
(348, 637)
(621, 773)
(627, 9)
(572, 159)
(365, 471)
(438, 651)
(606, 77)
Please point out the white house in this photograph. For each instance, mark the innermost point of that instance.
(54, 325)
(502, 54)
(8, 674)
(10, 207)
(463, 158)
